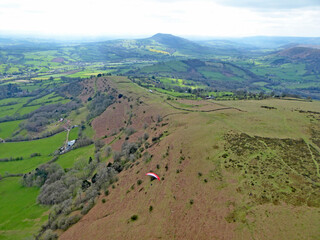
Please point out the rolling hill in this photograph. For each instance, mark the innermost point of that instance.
(159, 46)
(231, 170)
(307, 55)
(228, 169)
(218, 74)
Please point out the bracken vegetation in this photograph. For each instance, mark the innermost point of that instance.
(275, 170)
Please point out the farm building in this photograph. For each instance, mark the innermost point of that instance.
(71, 143)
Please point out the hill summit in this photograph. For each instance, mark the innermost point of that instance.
(171, 40)
(179, 43)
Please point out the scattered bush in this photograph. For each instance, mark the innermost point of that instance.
(129, 131)
(35, 155)
(44, 115)
(65, 222)
(117, 156)
(11, 159)
(49, 235)
(98, 144)
(134, 217)
(87, 207)
(99, 104)
(145, 136)
(108, 151)
(128, 148)
(146, 157)
(82, 142)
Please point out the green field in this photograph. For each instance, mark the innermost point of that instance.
(24, 166)
(44, 146)
(27, 109)
(170, 82)
(171, 66)
(68, 159)
(172, 93)
(7, 128)
(20, 215)
(73, 134)
(50, 99)
(11, 109)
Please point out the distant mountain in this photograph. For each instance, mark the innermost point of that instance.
(301, 53)
(24, 44)
(159, 46)
(178, 44)
(264, 42)
(172, 41)
(226, 44)
(305, 55)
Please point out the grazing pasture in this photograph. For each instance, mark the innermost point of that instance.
(20, 215)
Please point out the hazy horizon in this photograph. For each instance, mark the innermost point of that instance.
(144, 18)
(84, 38)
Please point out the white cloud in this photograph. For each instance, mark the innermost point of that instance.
(146, 17)
(270, 4)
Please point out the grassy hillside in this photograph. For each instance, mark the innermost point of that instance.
(229, 169)
(235, 170)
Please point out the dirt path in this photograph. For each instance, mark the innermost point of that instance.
(67, 138)
(212, 110)
(312, 156)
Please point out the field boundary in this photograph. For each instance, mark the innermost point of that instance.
(212, 110)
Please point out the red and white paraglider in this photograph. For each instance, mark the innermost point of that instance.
(153, 175)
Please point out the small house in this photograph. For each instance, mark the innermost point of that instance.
(71, 143)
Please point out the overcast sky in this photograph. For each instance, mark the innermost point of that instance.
(216, 18)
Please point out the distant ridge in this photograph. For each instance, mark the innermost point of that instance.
(306, 55)
(173, 41)
(301, 52)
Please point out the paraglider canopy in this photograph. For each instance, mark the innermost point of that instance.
(153, 175)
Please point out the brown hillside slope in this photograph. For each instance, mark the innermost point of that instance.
(227, 174)
(306, 53)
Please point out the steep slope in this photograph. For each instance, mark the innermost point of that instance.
(303, 53)
(306, 55)
(238, 171)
